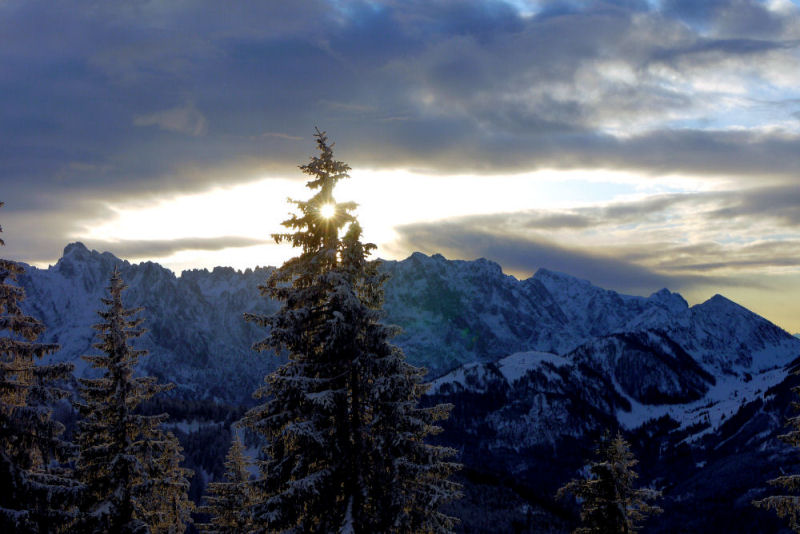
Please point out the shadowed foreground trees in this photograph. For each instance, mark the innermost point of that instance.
(345, 448)
(609, 502)
(128, 464)
(35, 494)
(787, 506)
(228, 503)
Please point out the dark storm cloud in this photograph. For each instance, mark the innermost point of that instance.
(145, 92)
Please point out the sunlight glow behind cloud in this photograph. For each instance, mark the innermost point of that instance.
(386, 199)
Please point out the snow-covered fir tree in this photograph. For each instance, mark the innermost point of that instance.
(166, 504)
(787, 506)
(128, 464)
(610, 504)
(345, 449)
(228, 503)
(35, 494)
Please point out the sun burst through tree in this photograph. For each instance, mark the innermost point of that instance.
(345, 449)
(327, 211)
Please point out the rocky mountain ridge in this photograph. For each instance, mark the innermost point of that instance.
(452, 313)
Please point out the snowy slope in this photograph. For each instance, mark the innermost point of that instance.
(720, 334)
(629, 378)
(536, 369)
(452, 313)
(195, 336)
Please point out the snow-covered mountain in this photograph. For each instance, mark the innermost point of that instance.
(531, 367)
(196, 336)
(451, 312)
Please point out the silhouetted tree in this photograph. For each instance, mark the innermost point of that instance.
(228, 503)
(35, 494)
(128, 464)
(609, 502)
(345, 448)
(787, 506)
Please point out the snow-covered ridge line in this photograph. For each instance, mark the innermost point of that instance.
(452, 313)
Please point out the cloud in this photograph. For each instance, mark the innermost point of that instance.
(751, 17)
(186, 120)
(781, 203)
(480, 87)
(281, 135)
(750, 258)
(558, 220)
(108, 102)
(527, 254)
(163, 248)
(729, 238)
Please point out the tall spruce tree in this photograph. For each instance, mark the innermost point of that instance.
(345, 449)
(228, 503)
(35, 494)
(787, 506)
(128, 464)
(609, 502)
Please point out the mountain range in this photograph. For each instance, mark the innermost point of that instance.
(536, 370)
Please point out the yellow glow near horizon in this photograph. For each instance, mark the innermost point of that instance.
(386, 200)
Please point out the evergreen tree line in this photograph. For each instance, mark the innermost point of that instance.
(344, 439)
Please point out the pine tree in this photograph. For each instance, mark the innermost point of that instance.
(609, 502)
(35, 494)
(787, 506)
(127, 463)
(228, 503)
(345, 448)
(166, 505)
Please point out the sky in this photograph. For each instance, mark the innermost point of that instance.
(637, 144)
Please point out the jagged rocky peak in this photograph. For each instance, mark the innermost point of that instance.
(737, 338)
(75, 253)
(669, 299)
(593, 310)
(90, 266)
(452, 312)
(719, 303)
(727, 314)
(571, 291)
(557, 277)
(76, 250)
(439, 264)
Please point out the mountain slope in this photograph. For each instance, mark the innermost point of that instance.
(536, 370)
(451, 312)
